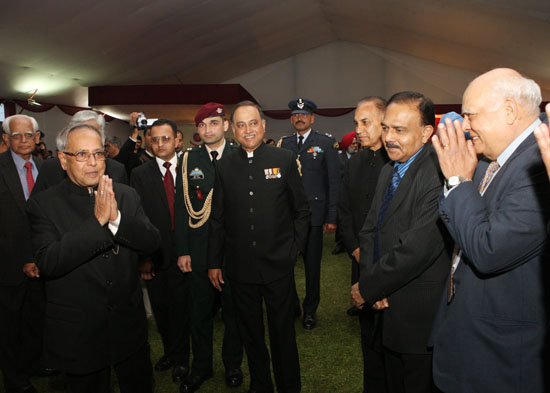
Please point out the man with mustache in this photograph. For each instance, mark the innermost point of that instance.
(403, 255)
(320, 170)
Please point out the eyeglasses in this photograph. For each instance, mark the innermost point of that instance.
(26, 135)
(164, 139)
(83, 156)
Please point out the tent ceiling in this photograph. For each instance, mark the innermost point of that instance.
(62, 47)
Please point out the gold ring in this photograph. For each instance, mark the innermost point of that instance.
(100, 192)
(446, 146)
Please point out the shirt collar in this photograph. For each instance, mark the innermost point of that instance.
(20, 162)
(173, 161)
(402, 167)
(219, 150)
(507, 153)
(304, 135)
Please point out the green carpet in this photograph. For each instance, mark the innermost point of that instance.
(330, 355)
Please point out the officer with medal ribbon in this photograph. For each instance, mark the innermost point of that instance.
(194, 183)
(320, 169)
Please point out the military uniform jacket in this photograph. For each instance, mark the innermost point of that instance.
(260, 215)
(356, 193)
(94, 312)
(415, 255)
(320, 174)
(200, 178)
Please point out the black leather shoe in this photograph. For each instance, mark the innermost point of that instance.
(163, 364)
(309, 321)
(193, 382)
(179, 373)
(338, 249)
(353, 311)
(26, 389)
(234, 378)
(47, 372)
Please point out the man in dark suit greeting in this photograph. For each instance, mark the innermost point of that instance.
(86, 235)
(18, 172)
(403, 256)
(492, 327)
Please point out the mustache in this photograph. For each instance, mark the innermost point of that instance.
(390, 145)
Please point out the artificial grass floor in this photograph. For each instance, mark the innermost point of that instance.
(330, 354)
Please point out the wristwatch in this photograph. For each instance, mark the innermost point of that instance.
(454, 181)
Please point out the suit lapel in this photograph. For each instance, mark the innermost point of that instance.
(158, 183)
(9, 172)
(403, 191)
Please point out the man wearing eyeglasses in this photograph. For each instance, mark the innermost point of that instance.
(87, 233)
(167, 285)
(18, 172)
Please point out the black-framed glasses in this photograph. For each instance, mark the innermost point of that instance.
(83, 155)
(19, 136)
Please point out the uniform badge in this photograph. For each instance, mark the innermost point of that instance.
(315, 150)
(199, 194)
(300, 104)
(272, 173)
(196, 174)
(219, 110)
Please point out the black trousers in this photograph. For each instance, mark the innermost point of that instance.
(312, 264)
(202, 298)
(169, 296)
(374, 369)
(134, 376)
(32, 329)
(279, 301)
(11, 310)
(408, 373)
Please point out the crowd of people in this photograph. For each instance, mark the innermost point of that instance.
(446, 229)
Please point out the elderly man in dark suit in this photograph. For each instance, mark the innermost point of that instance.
(259, 222)
(18, 172)
(492, 328)
(320, 171)
(167, 285)
(87, 233)
(356, 194)
(404, 249)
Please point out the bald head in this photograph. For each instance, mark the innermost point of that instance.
(498, 106)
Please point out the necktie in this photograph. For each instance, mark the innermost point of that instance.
(300, 142)
(30, 179)
(214, 155)
(489, 173)
(170, 191)
(388, 195)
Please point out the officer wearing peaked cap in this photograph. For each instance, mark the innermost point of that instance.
(194, 184)
(320, 169)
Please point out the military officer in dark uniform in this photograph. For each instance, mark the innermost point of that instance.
(194, 183)
(258, 224)
(320, 169)
(356, 193)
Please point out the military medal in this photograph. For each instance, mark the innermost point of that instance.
(272, 173)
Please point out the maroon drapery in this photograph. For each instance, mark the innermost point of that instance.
(9, 108)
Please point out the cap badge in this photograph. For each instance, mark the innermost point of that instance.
(300, 104)
(219, 110)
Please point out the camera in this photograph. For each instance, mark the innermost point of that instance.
(143, 123)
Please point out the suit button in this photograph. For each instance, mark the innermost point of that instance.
(105, 256)
(254, 244)
(250, 177)
(251, 210)
(109, 283)
(250, 161)
(251, 193)
(251, 227)
(110, 308)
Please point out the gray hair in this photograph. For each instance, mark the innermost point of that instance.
(63, 136)
(6, 123)
(524, 91)
(88, 115)
(114, 140)
(379, 102)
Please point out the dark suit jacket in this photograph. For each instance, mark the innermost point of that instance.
(259, 221)
(148, 182)
(356, 193)
(127, 157)
(51, 173)
(15, 236)
(491, 336)
(94, 313)
(198, 186)
(320, 174)
(414, 260)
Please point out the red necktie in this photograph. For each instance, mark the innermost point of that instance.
(170, 191)
(30, 179)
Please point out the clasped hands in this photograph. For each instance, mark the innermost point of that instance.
(457, 156)
(359, 302)
(106, 208)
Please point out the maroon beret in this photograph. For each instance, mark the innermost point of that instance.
(209, 110)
